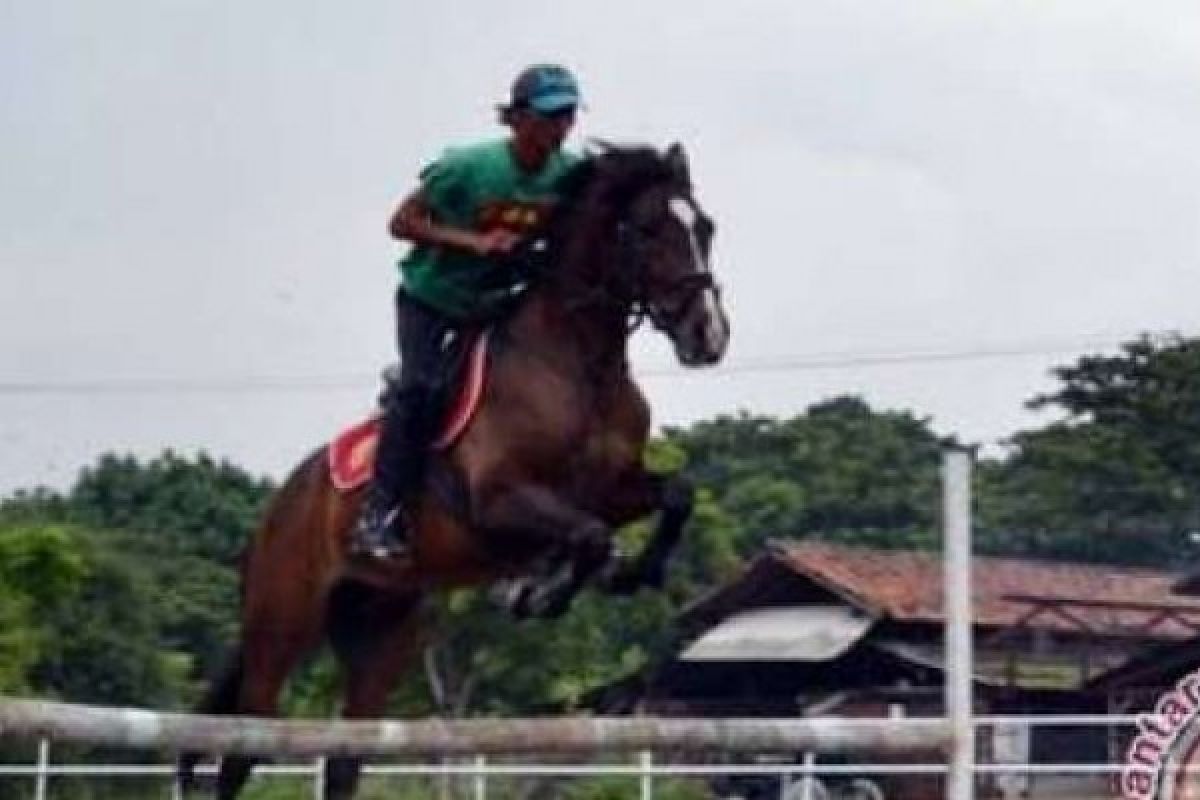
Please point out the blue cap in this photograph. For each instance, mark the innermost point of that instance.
(545, 88)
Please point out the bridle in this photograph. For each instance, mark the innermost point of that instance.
(671, 303)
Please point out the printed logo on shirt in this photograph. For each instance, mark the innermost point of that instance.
(511, 215)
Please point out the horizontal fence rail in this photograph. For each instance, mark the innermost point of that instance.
(137, 728)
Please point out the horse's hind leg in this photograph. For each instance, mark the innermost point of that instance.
(282, 621)
(269, 655)
(222, 698)
(375, 636)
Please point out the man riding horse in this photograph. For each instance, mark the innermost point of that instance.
(534, 489)
(473, 206)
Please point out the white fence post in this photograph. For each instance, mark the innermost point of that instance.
(646, 761)
(956, 544)
(480, 777)
(43, 772)
(807, 788)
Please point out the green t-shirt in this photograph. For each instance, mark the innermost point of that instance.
(479, 188)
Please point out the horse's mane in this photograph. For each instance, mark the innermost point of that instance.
(610, 173)
(605, 179)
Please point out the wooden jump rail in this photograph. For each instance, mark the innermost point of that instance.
(140, 729)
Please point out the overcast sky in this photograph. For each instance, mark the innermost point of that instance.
(194, 195)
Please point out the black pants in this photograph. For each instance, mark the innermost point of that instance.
(431, 347)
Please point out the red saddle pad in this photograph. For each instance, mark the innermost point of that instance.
(352, 452)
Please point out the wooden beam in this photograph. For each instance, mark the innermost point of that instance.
(139, 729)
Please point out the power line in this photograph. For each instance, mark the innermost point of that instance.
(803, 362)
(820, 361)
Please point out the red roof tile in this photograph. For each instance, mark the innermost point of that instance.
(907, 586)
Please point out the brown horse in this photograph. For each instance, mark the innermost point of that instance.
(532, 492)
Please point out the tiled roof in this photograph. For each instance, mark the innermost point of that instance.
(907, 586)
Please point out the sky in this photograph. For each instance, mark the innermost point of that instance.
(925, 203)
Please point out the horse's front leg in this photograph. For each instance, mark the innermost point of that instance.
(640, 494)
(577, 545)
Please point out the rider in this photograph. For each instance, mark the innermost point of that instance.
(471, 208)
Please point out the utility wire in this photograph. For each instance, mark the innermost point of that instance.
(819, 361)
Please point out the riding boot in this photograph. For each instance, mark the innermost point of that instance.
(384, 523)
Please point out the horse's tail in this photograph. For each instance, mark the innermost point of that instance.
(222, 698)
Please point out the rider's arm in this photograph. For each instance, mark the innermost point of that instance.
(414, 221)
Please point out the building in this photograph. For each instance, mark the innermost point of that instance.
(813, 628)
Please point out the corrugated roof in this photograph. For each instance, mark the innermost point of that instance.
(907, 586)
(801, 633)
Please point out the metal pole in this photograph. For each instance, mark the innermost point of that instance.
(43, 773)
(319, 779)
(646, 760)
(956, 520)
(480, 778)
(807, 789)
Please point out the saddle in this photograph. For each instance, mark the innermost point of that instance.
(351, 453)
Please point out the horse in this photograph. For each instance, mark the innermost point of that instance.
(531, 493)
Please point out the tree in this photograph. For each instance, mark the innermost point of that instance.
(1118, 478)
(840, 470)
(161, 540)
(184, 523)
(41, 571)
(196, 506)
(105, 644)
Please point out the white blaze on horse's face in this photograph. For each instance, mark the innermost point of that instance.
(715, 330)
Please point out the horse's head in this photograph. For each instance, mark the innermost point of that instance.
(649, 255)
(668, 240)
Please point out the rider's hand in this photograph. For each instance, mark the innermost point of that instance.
(495, 242)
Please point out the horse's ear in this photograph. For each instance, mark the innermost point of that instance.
(677, 161)
(594, 147)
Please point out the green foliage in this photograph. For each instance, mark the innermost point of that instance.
(105, 645)
(152, 550)
(841, 470)
(196, 506)
(40, 562)
(1119, 478)
(40, 574)
(18, 641)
